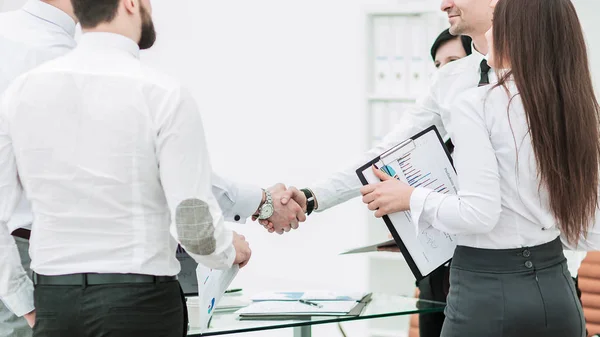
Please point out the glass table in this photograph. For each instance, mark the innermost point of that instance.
(380, 306)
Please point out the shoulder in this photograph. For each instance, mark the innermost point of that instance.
(159, 79)
(487, 102)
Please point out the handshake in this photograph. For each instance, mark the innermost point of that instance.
(289, 209)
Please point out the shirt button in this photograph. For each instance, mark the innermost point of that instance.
(237, 218)
(528, 264)
(526, 253)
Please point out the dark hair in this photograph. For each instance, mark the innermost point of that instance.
(91, 13)
(541, 42)
(444, 37)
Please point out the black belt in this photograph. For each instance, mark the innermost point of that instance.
(98, 279)
(22, 233)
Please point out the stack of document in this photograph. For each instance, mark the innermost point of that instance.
(311, 295)
(303, 305)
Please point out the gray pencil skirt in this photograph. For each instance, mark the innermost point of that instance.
(525, 292)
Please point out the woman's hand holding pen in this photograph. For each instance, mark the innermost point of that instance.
(387, 197)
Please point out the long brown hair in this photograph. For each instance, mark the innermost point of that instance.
(542, 43)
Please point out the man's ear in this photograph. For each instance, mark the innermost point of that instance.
(131, 6)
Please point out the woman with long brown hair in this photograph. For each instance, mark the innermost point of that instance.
(527, 154)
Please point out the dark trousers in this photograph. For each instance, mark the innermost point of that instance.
(435, 287)
(115, 310)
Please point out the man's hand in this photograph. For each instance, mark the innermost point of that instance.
(290, 198)
(287, 215)
(387, 197)
(30, 318)
(242, 250)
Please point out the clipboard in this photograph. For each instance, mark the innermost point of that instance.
(422, 160)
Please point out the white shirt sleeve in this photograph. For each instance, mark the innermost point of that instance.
(237, 201)
(185, 174)
(477, 207)
(16, 289)
(345, 185)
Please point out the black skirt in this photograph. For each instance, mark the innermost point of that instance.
(511, 293)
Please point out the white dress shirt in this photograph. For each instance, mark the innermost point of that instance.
(36, 33)
(113, 157)
(499, 203)
(435, 107)
(40, 32)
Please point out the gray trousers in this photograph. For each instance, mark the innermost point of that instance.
(11, 325)
(512, 293)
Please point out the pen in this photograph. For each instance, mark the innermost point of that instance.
(234, 290)
(311, 303)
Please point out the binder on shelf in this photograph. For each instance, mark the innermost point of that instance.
(418, 60)
(421, 160)
(383, 44)
(399, 67)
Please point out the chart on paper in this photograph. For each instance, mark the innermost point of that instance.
(424, 163)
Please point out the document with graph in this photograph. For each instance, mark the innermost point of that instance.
(421, 160)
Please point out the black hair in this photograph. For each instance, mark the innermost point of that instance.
(445, 36)
(91, 13)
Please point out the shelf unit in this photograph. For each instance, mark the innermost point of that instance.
(398, 41)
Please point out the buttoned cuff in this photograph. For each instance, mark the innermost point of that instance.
(229, 256)
(246, 203)
(20, 302)
(420, 218)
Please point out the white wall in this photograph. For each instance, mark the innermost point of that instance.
(588, 11)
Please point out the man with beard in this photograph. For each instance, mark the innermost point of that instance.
(113, 158)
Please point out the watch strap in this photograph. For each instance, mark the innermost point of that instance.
(310, 200)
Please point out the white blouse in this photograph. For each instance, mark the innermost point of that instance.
(499, 204)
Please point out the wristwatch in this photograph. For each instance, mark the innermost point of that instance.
(267, 209)
(310, 200)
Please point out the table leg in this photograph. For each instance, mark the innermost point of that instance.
(303, 331)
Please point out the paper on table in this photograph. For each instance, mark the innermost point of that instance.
(271, 308)
(311, 295)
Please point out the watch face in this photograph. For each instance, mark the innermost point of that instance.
(266, 211)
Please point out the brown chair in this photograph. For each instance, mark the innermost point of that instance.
(589, 283)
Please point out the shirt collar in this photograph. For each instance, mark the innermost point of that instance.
(479, 55)
(105, 40)
(51, 14)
